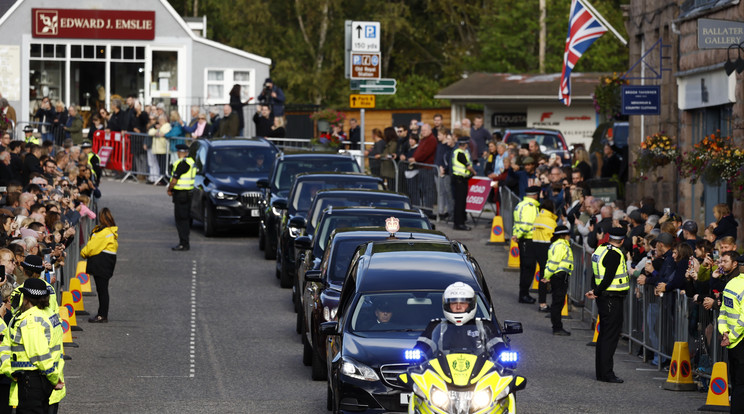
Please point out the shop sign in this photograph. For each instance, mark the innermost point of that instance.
(93, 24)
(508, 119)
(641, 99)
(719, 34)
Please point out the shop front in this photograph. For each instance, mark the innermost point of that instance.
(89, 55)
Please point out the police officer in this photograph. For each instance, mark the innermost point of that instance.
(558, 269)
(94, 162)
(30, 138)
(32, 351)
(181, 188)
(609, 289)
(731, 327)
(462, 170)
(524, 220)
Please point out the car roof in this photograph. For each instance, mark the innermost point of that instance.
(356, 210)
(313, 156)
(400, 265)
(333, 192)
(239, 142)
(532, 131)
(346, 233)
(336, 175)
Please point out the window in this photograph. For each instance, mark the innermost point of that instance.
(219, 83)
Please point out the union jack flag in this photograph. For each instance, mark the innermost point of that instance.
(583, 30)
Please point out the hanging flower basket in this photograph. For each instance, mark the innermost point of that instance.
(327, 117)
(715, 159)
(607, 97)
(656, 151)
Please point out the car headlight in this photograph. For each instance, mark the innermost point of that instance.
(294, 231)
(329, 313)
(222, 195)
(439, 398)
(481, 399)
(357, 370)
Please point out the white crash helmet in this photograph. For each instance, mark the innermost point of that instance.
(459, 292)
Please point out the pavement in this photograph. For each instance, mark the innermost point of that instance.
(210, 330)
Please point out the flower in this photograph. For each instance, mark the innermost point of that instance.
(606, 97)
(713, 159)
(332, 116)
(326, 140)
(656, 151)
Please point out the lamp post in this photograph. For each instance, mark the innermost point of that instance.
(737, 66)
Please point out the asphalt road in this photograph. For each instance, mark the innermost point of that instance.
(210, 330)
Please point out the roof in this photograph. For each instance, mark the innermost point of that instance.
(415, 270)
(179, 20)
(356, 210)
(239, 142)
(340, 175)
(361, 192)
(519, 87)
(315, 155)
(373, 232)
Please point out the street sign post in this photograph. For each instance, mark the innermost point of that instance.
(365, 65)
(358, 101)
(365, 36)
(384, 86)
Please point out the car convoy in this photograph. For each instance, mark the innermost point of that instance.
(350, 249)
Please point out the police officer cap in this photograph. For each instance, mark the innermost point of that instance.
(34, 287)
(463, 140)
(617, 233)
(86, 144)
(28, 128)
(182, 147)
(33, 262)
(532, 190)
(561, 231)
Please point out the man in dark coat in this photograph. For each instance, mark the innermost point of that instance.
(31, 163)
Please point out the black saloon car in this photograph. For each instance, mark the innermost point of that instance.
(305, 186)
(364, 357)
(276, 189)
(225, 187)
(323, 286)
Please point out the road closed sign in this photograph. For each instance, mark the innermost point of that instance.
(478, 189)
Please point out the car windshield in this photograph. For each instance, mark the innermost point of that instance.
(305, 190)
(331, 222)
(240, 161)
(365, 200)
(550, 141)
(289, 168)
(403, 311)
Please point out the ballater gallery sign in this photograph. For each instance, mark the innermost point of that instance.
(93, 24)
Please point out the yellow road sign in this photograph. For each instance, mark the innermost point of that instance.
(361, 101)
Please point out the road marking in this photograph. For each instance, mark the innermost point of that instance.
(192, 339)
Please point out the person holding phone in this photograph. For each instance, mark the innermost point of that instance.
(101, 255)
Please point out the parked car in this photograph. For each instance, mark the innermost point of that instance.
(276, 188)
(323, 286)
(305, 186)
(551, 141)
(226, 192)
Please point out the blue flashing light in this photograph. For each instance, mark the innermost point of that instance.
(509, 356)
(412, 355)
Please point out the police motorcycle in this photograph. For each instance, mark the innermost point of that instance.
(467, 366)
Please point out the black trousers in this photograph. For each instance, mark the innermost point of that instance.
(34, 390)
(736, 377)
(103, 295)
(610, 324)
(182, 211)
(541, 257)
(559, 284)
(460, 194)
(527, 260)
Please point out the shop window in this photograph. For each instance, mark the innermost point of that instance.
(100, 52)
(35, 50)
(164, 71)
(88, 52)
(76, 51)
(220, 82)
(115, 52)
(47, 78)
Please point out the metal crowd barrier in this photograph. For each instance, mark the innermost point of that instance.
(19, 135)
(416, 180)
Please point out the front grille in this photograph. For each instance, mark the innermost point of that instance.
(250, 199)
(390, 373)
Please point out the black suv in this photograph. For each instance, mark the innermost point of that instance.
(276, 189)
(305, 186)
(225, 186)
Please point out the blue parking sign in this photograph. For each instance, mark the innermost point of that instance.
(370, 31)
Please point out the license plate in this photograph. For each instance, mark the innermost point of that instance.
(254, 213)
(405, 398)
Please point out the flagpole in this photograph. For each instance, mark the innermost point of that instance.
(603, 21)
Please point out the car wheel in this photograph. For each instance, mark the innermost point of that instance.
(307, 351)
(285, 280)
(318, 368)
(261, 238)
(208, 220)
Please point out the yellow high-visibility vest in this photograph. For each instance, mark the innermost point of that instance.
(185, 181)
(620, 281)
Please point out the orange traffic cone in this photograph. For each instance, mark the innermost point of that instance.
(564, 311)
(66, 328)
(84, 279)
(596, 334)
(718, 394)
(497, 231)
(77, 296)
(69, 310)
(680, 370)
(513, 264)
(536, 279)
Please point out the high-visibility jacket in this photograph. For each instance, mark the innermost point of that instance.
(459, 168)
(92, 155)
(185, 181)
(620, 281)
(730, 319)
(544, 226)
(31, 139)
(560, 259)
(102, 240)
(524, 218)
(33, 341)
(17, 300)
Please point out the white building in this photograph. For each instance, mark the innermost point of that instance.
(103, 48)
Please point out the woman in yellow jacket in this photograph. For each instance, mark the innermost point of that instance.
(544, 226)
(101, 255)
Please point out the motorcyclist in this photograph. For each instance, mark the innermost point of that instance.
(460, 331)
